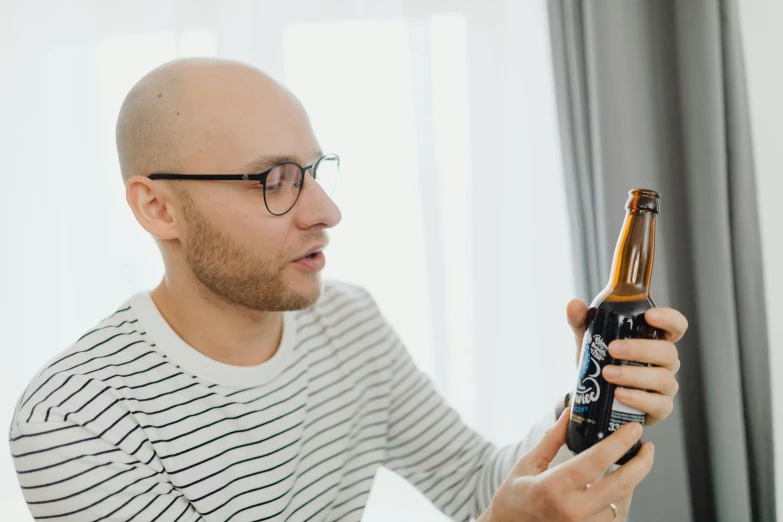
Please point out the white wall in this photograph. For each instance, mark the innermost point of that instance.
(762, 24)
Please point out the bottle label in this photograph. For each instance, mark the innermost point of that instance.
(595, 413)
(588, 390)
(622, 414)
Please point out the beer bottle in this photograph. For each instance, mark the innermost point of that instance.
(616, 313)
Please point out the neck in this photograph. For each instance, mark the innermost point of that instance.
(224, 331)
(633, 257)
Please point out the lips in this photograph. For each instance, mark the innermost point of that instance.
(313, 261)
(311, 253)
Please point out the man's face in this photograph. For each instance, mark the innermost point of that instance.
(232, 244)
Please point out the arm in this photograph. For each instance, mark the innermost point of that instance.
(69, 473)
(430, 446)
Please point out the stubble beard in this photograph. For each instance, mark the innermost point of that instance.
(237, 276)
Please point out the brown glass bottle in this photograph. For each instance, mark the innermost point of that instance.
(616, 313)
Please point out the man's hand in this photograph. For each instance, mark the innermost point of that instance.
(573, 491)
(649, 389)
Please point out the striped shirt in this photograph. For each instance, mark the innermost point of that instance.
(131, 423)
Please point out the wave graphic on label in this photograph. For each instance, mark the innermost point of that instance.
(588, 390)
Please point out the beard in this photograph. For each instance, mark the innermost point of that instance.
(236, 275)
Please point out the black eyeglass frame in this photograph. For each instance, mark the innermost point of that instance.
(260, 177)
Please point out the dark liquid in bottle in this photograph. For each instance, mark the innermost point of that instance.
(595, 414)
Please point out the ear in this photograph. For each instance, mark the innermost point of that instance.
(155, 205)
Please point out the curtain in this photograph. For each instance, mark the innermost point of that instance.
(652, 94)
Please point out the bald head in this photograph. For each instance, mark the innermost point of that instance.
(212, 116)
(197, 113)
(217, 236)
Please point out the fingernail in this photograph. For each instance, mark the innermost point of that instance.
(611, 371)
(636, 429)
(652, 447)
(623, 393)
(618, 348)
(653, 313)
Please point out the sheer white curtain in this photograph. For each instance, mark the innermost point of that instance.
(452, 194)
(761, 22)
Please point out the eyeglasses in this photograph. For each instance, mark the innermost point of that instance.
(282, 183)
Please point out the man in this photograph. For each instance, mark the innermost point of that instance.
(241, 388)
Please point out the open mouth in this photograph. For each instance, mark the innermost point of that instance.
(310, 257)
(312, 263)
(314, 260)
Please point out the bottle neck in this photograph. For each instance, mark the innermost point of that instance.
(633, 256)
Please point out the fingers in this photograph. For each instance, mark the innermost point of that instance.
(669, 320)
(621, 483)
(656, 406)
(576, 312)
(659, 353)
(606, 515)
(651, 378)
(586, 467)
(623, 510)
(537, 459)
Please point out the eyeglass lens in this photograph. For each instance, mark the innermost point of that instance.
(284, 182)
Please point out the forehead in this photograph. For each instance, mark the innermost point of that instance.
(251, 118)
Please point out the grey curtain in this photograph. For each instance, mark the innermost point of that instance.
(651, 94)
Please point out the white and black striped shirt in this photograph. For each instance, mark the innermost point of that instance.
(131, 423)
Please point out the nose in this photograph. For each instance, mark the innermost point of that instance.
(315, 207)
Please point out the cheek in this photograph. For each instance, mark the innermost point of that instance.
(242, 219)
(263, 235)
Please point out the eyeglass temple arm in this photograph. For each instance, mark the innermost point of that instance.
(208, 177)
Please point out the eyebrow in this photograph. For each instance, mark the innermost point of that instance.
(267, 162)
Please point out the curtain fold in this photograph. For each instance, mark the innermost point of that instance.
(748, 280)
(652, 94)
(568, 42)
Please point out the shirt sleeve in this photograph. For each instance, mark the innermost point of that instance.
(69, 473)
(447, 461)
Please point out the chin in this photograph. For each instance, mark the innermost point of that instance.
(307, 288)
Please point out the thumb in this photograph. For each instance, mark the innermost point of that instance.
(576, 312)
(537, 459)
